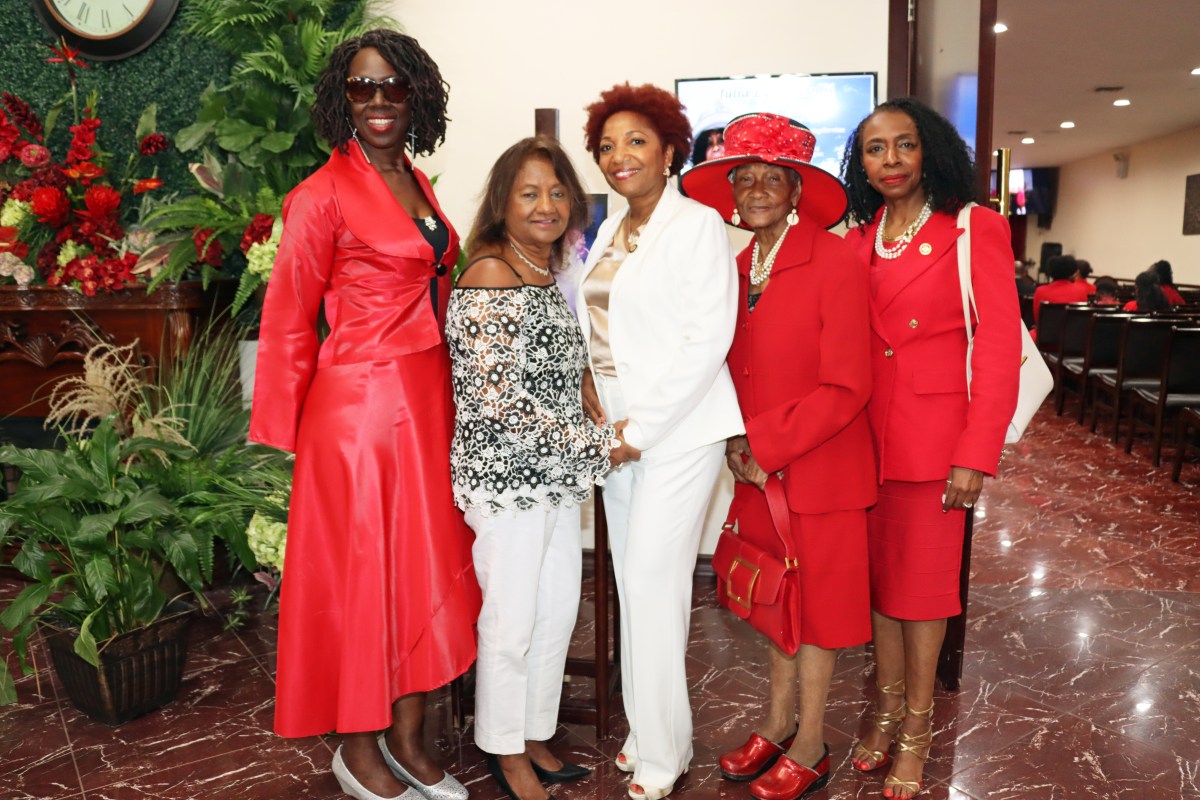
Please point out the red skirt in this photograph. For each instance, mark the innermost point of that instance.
(916, 552)
(379, 592)
(835, 609)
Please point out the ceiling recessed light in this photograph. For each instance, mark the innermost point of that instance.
(1196, 71)
(1067, 124)
(999, 27)
(1027, 140)
(1121, 102)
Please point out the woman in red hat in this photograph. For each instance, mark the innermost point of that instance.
(801, 366)
(909, 174)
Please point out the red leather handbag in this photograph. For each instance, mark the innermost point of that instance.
(758, 575)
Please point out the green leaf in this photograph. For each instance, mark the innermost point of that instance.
(24, 604)
(31, 560)
(100, 577)
(143, 597)
(194, 135)
(85, 643)
(235, 135)
(8, 689)
(94, 528)
(278, 142)
(146, 505)
(147, 123)
(51, 120)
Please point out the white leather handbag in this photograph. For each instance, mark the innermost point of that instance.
(1036, 381)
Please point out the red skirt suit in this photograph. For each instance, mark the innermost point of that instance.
(379, 595)
(920, 415)
(801, 367)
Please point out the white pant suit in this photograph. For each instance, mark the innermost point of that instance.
(671, 310)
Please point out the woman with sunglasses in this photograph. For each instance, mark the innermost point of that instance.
(381, 596)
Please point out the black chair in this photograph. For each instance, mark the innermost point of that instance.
(1027, 310)
(1187, 438)
(1099, 355)
(1178, 388)
(1052, 317)
(1139, 365)
(1071, 348)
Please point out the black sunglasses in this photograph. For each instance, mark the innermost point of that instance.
(362, 90)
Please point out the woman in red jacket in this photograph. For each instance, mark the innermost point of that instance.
(801, 366)
(908, 174)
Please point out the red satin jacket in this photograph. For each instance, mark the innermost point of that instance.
(801, 367)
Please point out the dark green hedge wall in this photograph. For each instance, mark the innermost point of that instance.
(172, 72)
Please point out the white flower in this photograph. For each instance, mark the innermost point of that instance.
(13, 211)
(9, 264)
(23, 273)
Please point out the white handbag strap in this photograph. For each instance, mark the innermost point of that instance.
(964, 282)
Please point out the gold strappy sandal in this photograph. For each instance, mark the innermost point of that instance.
(884, 721)
(918, 745)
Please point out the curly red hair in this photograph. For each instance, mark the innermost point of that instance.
(658, 106)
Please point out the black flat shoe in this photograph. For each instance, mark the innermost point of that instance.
(569, 772)
(493, 765)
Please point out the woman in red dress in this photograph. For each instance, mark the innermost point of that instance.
(908, 174)
(801, 366)
(380, 598)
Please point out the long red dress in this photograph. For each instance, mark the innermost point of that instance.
(379, 597)
(802, 369)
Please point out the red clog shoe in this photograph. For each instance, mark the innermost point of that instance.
(788, 780)
(753, 758)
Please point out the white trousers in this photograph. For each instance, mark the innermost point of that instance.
(529, 566)
(655, 510)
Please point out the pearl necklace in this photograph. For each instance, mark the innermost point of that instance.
(760, 272)
(904, 238)
(539, 270)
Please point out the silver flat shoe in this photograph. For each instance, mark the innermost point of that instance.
(448, 788)
(352, 787)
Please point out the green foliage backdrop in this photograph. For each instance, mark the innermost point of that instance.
(172, 72)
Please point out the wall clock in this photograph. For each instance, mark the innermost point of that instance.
(107, 29)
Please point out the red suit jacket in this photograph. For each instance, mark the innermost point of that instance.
(1063, 291)
(801, 366)
(920, 416)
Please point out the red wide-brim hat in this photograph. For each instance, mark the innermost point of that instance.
(769, 139)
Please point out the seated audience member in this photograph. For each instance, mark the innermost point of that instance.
(1026, 285)
(1062, 287)
(1083, 270)
(1150, 296)
(1107, 292)
(1166, 282)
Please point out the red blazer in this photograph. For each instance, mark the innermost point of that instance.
(1062, 291)
(346, 243)
(801, 366)
(920, 416)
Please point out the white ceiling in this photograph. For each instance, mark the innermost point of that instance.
(1056, 52)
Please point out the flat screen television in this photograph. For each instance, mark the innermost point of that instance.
(830, 104)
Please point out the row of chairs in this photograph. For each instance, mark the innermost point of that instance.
(1140, 371)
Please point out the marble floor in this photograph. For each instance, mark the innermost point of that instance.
(1082, 672)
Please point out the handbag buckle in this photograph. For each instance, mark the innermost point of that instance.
(791, 563)
(744, 602)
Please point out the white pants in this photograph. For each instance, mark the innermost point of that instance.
(655, 510)
(529, 566)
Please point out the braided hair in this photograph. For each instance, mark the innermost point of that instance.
(947, 163)
(331, 109)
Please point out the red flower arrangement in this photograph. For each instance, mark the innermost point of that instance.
(71, 219)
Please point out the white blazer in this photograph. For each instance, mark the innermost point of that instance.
(672, 312)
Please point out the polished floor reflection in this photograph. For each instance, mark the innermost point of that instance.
(1082, 675)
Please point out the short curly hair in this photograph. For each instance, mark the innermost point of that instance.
(661, 108)
(947, 163)
(331, 109)
(1060, 268)
(490, 229)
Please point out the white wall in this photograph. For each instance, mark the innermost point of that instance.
(1123, 225)
(503, 60)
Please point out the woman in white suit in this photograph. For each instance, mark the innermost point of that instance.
(657, 304)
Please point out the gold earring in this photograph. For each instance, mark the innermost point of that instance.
(793, 217)
(735, 217)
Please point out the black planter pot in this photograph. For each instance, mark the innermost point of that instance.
(139, 671)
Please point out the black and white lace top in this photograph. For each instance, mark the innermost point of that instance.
(521, 439)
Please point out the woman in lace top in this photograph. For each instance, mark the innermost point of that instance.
(523, 456)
